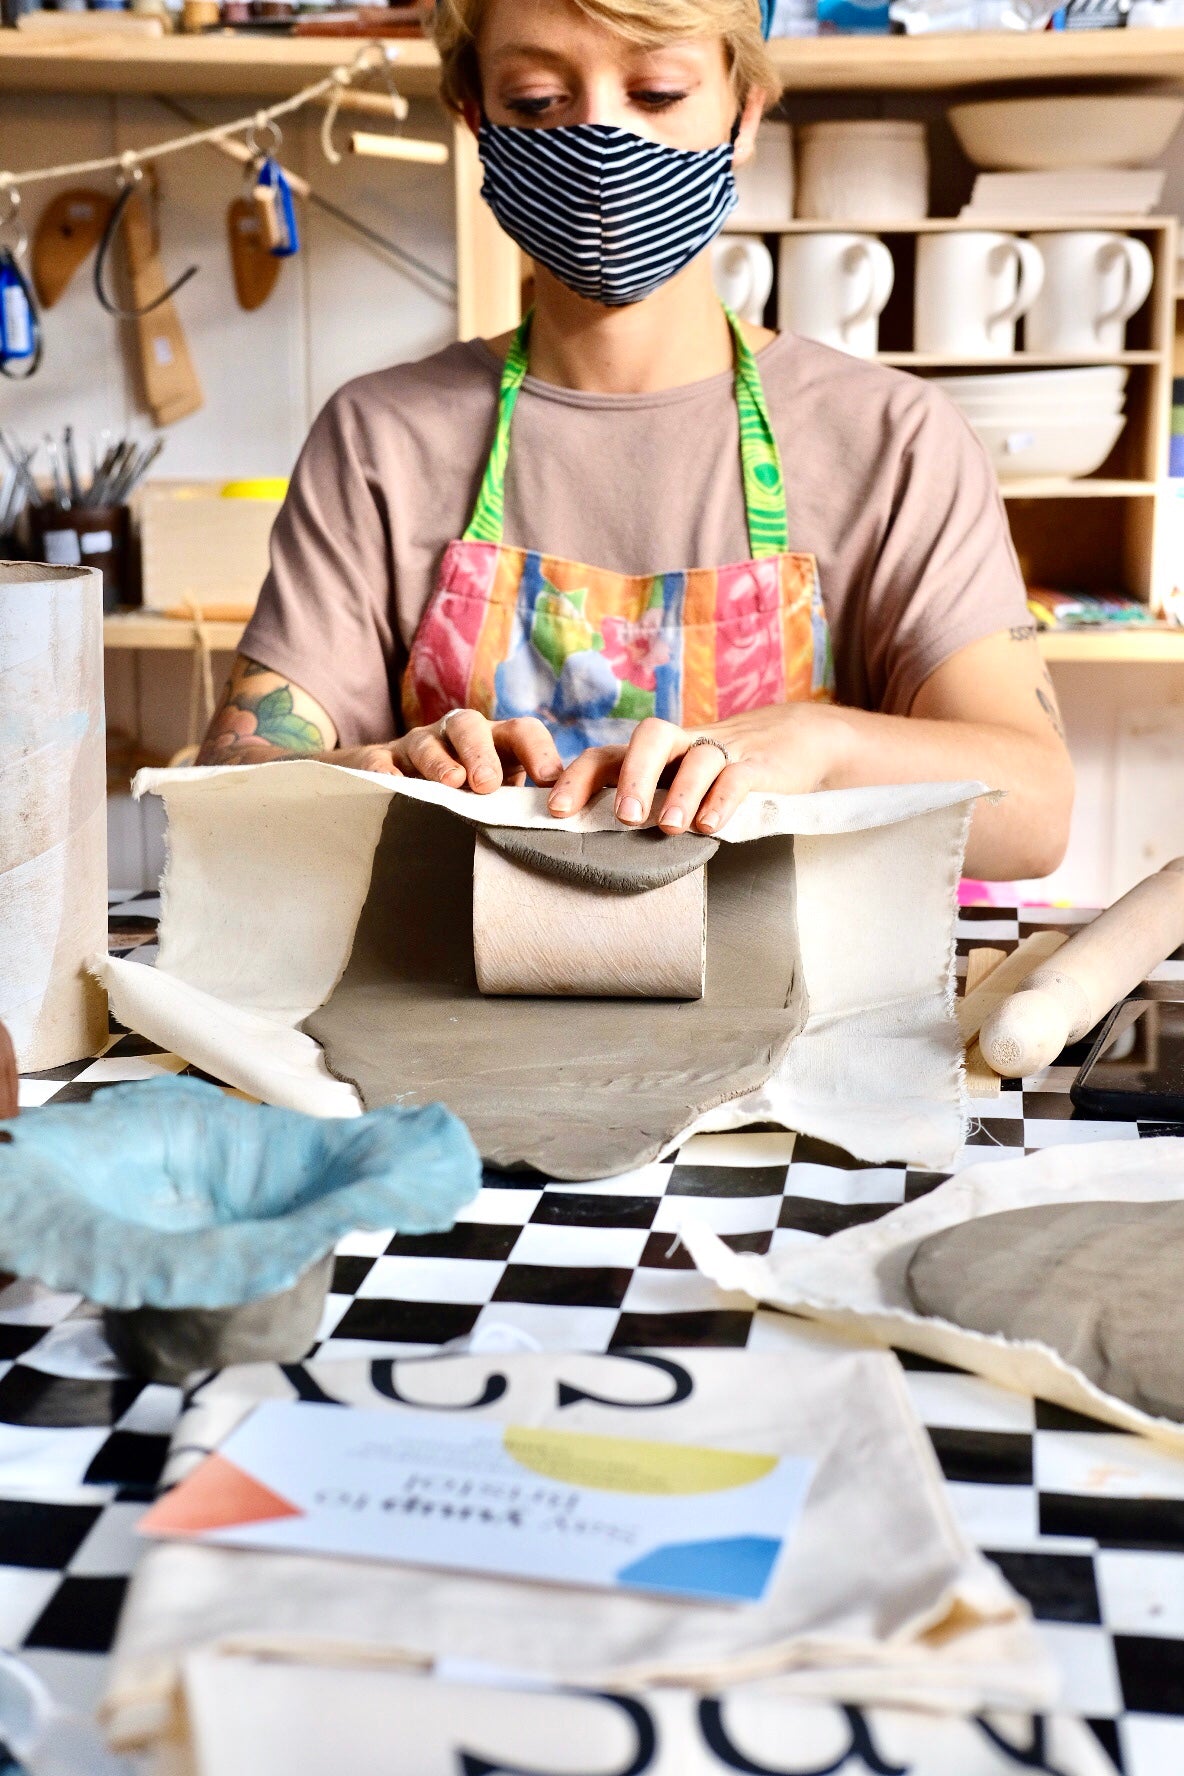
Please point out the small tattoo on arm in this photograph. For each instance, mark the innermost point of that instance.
(1048, 703)
(1022, 632)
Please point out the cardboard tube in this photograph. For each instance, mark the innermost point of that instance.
(53, 814)
(1063, 999)
(536, 935)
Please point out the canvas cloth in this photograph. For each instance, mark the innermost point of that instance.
(245, 1715)
(856, 1280)
(878, 1597)
(269, 869)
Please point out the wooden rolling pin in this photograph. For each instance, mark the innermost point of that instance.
(1065, 997)
(8, 1076)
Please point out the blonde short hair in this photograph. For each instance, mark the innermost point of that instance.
(457, 24)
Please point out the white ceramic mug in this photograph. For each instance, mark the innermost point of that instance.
(1093, 283)
(972, 285)
(765, 184)
(834, 287)
(865, 171)
(743, 271)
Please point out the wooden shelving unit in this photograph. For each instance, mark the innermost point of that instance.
(219, 63)
(1097, 531)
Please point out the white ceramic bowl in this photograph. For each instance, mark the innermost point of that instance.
(1087, 130)
(1013, 411)
(1046, 447)
(1097, 382)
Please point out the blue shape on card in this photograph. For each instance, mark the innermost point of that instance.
(733, 1568)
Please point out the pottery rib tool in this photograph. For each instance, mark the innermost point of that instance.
(171, 387)
(255, 268)
(70, 226)
(1061, 1001)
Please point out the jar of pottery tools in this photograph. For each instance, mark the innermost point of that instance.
(86, 536)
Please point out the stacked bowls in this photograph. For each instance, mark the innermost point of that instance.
(1059, 423)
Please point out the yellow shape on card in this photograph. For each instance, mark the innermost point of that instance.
(618, 1464)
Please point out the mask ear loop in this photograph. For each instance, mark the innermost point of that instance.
(11, 257)
(131, 175)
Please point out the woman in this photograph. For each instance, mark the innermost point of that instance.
(691, 552)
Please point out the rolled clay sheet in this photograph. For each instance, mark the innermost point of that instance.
(53, 812)
(559, 920)
(579, 1088)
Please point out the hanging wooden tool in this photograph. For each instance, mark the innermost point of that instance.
(70, 226)
(254, 266)
(384, 147)
(388, 147)
(171, 387)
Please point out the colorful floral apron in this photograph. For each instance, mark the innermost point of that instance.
(512, 632)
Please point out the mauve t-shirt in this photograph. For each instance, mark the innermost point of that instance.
(886, 486)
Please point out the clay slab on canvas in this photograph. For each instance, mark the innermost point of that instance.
(575, 1088)
(1099, 1282)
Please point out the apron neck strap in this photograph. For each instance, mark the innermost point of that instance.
(760, 458)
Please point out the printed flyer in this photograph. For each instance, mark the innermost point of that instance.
(507, 1499)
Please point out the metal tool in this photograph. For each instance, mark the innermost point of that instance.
(117, 468)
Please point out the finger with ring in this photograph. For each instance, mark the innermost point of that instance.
(702, 764)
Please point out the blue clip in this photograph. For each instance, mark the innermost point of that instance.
(20, 328)
(271, 177)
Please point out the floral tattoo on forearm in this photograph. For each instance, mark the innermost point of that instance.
(246, 723)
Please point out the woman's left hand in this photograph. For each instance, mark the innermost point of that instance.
(790, 748)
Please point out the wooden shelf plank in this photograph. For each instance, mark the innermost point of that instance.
(143, 629)
(974, 59)
(1059, 224)
(1017, 361)
(147, 629)
(214, 64)
(265, 65)
(1089, 487)
(1131, 647)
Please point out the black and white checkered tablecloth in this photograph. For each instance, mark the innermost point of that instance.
(1085, 1521)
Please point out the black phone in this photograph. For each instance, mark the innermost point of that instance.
(1135, 1069)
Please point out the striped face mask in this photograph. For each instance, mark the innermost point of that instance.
(613, 215)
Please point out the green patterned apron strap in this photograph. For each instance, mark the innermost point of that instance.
(489, 514)
(764, 483)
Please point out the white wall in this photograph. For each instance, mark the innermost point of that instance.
(340, 309)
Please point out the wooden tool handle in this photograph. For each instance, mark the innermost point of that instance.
(8, 1076)
(171, 387)
(1063, 999)
(538, 936)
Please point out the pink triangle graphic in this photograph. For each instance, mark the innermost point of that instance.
(218, 1495)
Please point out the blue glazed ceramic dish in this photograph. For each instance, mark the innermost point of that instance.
(171, 1194)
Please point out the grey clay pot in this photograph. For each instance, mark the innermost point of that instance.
(168, 1344)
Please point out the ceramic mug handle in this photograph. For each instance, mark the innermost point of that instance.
(1029, 280)
(881, 274)
(1138, 273)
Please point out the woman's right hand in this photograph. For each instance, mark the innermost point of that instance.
(464, 751)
